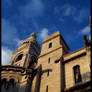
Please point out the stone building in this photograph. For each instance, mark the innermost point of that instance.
(49, 69)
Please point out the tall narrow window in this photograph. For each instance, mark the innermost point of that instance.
(48, 60)
(77, 75)
(50, 45)
(47, 88)
(48, 73)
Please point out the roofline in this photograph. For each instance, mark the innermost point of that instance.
(55, 37)
(64, 42)
(75, 56)
(74, 52)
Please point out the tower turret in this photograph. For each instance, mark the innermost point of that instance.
(26, 54)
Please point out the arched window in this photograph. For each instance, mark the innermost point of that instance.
(4, 82)
(77, 75)
(11, 82)
(19, 57)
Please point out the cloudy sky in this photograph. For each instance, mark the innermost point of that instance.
(22, 17)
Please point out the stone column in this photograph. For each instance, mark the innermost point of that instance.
(38, 79)
(26, 60)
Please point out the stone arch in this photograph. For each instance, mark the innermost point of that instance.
(10, 85)
(4, 82)
(19, 57)
(11, 82)
(13, 77)
(32, 61)
(34, 58)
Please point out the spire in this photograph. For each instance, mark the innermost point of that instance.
(33, 35)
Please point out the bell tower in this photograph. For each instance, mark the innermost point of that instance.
(26, 54)
(53, 48)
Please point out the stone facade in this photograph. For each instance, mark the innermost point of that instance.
(53, 69)
(80, 58)
(21, 67)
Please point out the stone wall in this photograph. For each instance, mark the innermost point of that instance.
(84, 63)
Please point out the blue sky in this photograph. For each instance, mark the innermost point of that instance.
(22, 17)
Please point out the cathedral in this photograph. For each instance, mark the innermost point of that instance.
(51, 68)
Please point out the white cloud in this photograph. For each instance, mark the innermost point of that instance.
(9, 33)
(85, 30)
(6, 55)
(43, 34)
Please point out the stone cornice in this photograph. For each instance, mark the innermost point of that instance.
(75, 54)
(16, 69)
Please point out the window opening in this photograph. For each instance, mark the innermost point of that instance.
(77, 75)
(48, 60)
(48, 73)
(25, 77)
(4, 82)
(47, 88)
(50, 45)
(11, 82)
(19, 57)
